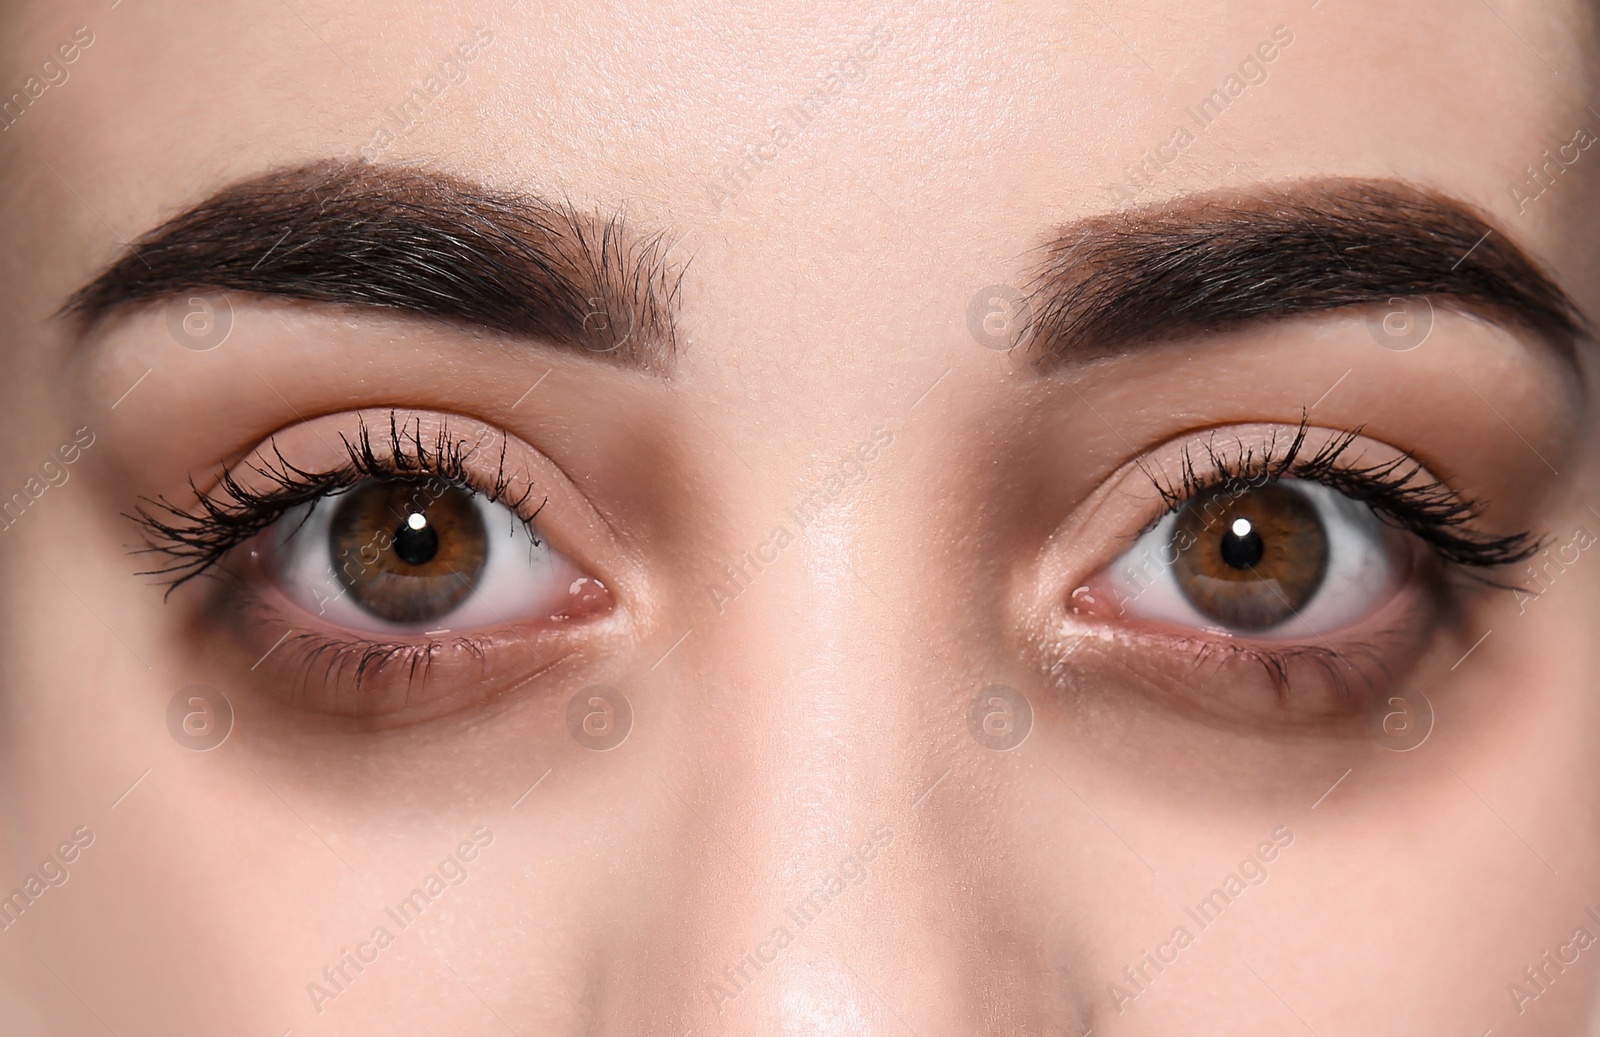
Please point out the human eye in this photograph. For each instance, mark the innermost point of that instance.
(1286, 559)
(1296, 570)
(381, 562)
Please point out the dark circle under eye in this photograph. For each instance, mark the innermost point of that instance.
(1250, 559)
(408, 551)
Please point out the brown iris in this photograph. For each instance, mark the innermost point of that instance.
(408, 551)
(1250, 559)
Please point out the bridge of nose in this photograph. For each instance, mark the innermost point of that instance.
(813, 718)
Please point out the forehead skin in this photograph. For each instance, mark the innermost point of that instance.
(836, 276)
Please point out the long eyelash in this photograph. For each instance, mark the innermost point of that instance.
(1399, 491)
(195, 538)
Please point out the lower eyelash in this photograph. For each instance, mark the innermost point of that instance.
(196, 538)
(1398, 491)
(370, 659)
(1368, 666)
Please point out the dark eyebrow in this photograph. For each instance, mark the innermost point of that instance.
(1213, 261)
(413, 240)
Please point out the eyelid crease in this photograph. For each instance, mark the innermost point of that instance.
(195, 539)
(1399, 491)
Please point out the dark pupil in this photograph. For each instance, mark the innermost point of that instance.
(408, 551)
(1250, 558)
(1243, 551)
(416, 546)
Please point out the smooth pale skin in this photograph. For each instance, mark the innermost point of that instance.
(828, 700)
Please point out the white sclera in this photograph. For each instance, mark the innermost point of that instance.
(520, 577)
(1360, 572)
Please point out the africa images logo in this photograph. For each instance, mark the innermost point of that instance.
(789, 125)
(403, 914)
(852, 871)
(1252, 871)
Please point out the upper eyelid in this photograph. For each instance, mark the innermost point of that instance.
(1250, 470)
(1248, 467)
(198, 537)
(1400, 490)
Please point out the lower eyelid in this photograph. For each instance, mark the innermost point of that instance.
(1236, 680)
(316, 668)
